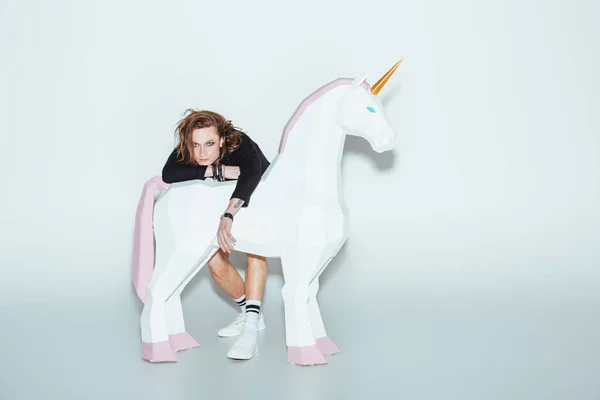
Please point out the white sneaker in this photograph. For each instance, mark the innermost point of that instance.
(245, 347)
(236, 326)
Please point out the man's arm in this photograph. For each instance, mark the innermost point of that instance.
(234, 206)
(250, 175)
(174, 171)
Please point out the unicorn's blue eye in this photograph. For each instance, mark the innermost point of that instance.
(371, 109)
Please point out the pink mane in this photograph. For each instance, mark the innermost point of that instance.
(308, 101)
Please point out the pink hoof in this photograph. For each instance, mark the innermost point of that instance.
(182, 341)
(326, 346)
(158, 352)
(305, 355)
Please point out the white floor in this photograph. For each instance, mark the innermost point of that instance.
(403, 347)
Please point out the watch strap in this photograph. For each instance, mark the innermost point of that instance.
(228, 215)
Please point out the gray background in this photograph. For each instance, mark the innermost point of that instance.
(472, 270)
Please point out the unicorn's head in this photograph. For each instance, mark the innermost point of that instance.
(360, 113)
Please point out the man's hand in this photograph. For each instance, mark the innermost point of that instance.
(224, 236)
(231, 171)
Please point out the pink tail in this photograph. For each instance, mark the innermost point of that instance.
(143, 246)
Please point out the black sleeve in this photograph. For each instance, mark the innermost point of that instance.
(250, 163)
(174, 171)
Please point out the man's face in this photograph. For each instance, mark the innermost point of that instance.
(206, 145)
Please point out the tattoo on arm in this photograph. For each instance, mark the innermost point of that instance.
(239, 203)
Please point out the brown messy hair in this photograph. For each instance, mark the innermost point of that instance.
(203, 119)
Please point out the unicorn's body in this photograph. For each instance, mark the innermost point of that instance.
(297, 214)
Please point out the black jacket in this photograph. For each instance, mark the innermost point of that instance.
(248, 156)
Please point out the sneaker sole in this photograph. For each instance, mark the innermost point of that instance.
(234, 357)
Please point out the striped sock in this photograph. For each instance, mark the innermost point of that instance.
(252, 314)
(241, 302)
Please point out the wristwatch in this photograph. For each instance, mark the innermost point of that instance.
(228, 215)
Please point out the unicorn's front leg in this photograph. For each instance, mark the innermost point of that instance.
(323, 342)
(298, 267)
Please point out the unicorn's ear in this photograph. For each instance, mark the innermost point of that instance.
(357, 82)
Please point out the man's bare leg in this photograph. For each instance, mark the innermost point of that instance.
(225, 274)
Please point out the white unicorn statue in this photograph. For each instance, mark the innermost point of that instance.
(297, 214)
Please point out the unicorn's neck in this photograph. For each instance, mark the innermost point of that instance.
(315, 147)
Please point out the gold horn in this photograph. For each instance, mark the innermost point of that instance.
(376, 88)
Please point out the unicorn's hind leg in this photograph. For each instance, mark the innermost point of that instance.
(179, 338)
(181, 267)
(155, 340)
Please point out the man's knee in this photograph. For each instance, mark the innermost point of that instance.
(218, 262)
(256, 260)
